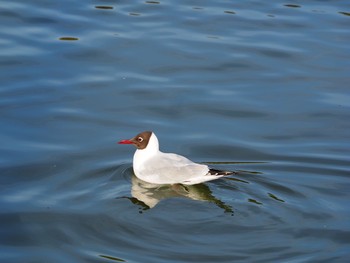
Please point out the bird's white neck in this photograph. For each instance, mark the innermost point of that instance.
(151, 149)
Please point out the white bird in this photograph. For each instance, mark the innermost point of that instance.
(153, 166)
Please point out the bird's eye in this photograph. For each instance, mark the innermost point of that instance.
(140, 139)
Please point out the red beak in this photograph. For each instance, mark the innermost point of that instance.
(125, 142)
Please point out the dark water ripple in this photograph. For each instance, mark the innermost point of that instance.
(259, 88)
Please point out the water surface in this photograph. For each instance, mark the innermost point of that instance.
(259, 88)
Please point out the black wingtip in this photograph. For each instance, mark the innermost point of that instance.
(220, 172)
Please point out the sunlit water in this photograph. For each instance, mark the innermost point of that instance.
(259, 87)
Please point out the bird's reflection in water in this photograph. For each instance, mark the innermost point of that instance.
(148, 195)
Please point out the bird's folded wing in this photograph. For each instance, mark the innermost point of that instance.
(173, 168)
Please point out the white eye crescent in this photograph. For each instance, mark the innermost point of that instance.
(140, 139)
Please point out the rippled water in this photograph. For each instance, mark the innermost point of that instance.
(258, 87)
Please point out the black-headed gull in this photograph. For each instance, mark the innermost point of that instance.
(153, 166)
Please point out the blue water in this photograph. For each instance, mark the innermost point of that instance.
(259, 87)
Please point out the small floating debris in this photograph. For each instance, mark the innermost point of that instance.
(152, 2)
(293, 6)
(134, 14)
(254, 201)
(197, 8)
(230, 12)
(68, 38)
(275, 197)
(105, 7)
(112, 258)
(344, 13)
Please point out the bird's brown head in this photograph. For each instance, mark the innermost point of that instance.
(140, 140)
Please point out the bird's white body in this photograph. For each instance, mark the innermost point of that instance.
(153, 166)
